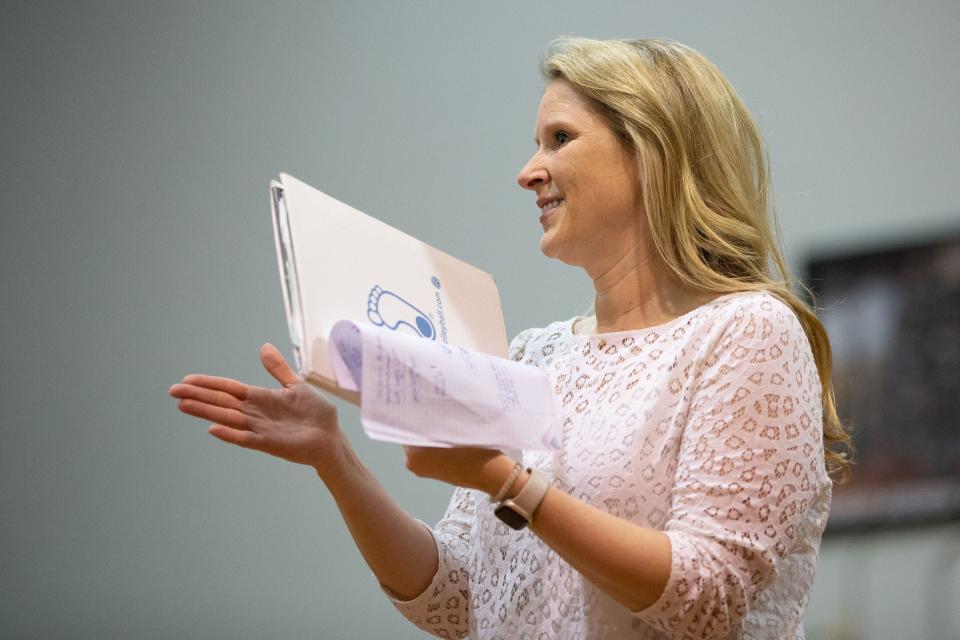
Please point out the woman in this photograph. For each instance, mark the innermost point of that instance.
(691, 490)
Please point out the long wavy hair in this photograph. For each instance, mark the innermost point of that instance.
(704, 179)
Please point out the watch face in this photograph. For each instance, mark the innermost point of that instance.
(511, 517)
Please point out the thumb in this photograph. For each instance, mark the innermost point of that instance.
(274, 363)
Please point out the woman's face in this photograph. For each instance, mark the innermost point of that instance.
(580, 163)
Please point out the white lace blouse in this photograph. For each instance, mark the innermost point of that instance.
(709, 428)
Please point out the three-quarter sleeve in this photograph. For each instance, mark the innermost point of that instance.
(443, 608)
(750, 463)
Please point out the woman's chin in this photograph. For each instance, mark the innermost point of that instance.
(547, 247)
(551, 241)
(550, 248)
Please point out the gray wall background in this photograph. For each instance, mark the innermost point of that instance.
(137, 143)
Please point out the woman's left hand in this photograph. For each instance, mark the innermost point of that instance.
(470, 467)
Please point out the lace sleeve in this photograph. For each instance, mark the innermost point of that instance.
(749, 467)
(443, 608)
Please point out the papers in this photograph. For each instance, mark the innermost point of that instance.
(426, 393)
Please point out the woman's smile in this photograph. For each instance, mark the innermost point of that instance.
(549, 208)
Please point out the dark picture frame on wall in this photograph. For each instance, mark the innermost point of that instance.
(893, 316)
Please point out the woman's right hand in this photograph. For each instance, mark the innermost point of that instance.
(294, 422)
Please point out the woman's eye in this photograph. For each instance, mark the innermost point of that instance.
(562, 137)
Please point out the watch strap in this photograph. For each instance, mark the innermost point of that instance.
(526, 502)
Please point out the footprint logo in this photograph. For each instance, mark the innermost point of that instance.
(387, 309)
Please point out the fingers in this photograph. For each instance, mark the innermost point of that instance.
(199, 409)
(274, 363)
(245, 439)
(204, 394)
(237, 389)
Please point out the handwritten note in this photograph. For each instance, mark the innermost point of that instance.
(426, 393)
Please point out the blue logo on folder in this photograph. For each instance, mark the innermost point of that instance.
(387, 309)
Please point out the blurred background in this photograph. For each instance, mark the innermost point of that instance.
(138, 140)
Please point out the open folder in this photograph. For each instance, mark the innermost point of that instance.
(337, 263)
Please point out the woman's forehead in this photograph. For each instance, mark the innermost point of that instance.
(560, 94)
(561, 102)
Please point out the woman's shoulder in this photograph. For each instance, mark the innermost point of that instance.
(525, 341)
(754, 332)
(762, 301)
(756, 314)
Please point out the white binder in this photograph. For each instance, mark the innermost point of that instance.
(337, 263)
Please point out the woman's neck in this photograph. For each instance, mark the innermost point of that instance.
(638, 298)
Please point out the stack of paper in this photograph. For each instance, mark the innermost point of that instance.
(426, 393)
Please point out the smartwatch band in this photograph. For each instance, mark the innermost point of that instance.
(518, 511)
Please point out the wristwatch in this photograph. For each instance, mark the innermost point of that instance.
(518, 511)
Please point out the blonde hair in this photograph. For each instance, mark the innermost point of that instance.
(704, 179)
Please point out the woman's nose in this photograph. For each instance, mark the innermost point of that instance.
(532, 174)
